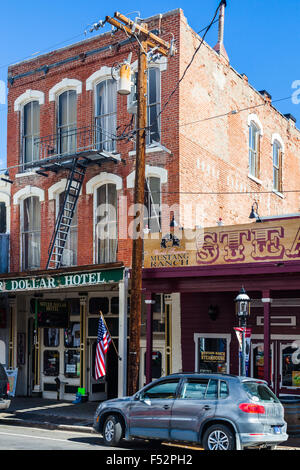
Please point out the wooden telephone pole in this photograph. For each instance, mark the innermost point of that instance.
(145, 40)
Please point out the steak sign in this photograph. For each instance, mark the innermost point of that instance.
(255, 242)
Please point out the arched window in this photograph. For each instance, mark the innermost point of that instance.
(277, 166)
(254, 149)
(31, 232)
(106, 231)
(106, 115)
(30, 132)
(67, 121)
(69, 257)
(152, 212)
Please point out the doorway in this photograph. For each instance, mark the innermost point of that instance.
(285, 363)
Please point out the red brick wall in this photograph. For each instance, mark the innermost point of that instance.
(81, 70)
(214, 152)
(209, 156)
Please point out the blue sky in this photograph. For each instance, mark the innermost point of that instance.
(262, 37)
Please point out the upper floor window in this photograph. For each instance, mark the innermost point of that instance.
(67, 121)
(31, 232)
(106, 233)
(106, 115)
(153, 105)
(30, 132)
(152, 213)
(69, 257)
(277, 166)
(3, 227)
(254, 149)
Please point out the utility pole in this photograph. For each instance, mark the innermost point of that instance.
(145, 40)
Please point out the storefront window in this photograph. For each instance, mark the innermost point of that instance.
(51, 337)
(72, 363)
(72, 335)
(51, 363)
(290, 364)
(212, 355)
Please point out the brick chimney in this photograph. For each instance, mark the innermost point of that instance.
(219, 47)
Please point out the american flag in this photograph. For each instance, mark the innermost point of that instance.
(103, 342)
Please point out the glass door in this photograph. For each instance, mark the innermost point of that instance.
(289, 366)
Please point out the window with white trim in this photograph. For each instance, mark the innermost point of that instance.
(30, 132)
(69, 257)
(152, 212)
(67, 122)
(31, 232)
(153, 105)
(106, 115)
(106, 230)
(254, 149)
(277, 166)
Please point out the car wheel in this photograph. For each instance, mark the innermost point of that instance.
(112, 431)
(218, 437)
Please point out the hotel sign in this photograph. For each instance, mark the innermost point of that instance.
(62, 281)
(277, 240)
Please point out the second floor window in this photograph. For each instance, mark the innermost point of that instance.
(106, 115)
(31, 233)
(277, 166)
(69, 257)
(31, 132)
(254, 151)
(152, 216)
(67, 122)
(106, 224)
(153, 105)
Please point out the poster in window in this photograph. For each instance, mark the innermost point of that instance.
(53, 314)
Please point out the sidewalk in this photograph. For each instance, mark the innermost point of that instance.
(54, 414)
(51, 414)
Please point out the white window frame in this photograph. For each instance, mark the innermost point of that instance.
(101, 75)
(277, 139)
(18, 199)
(91, 188)
(22, 137)
(212, 335)
(22, 217)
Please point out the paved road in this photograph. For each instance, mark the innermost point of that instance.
(26, 438)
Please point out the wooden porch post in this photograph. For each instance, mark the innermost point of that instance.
(149, 338)
(266, 300)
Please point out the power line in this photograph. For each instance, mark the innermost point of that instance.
(189, 64)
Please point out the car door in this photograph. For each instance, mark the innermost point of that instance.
(196, 402)
(150, 412)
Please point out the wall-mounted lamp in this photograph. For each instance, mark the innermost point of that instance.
(7, 180)
(213, 312)
(254, 212)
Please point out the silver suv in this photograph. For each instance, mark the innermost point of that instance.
(219, 412)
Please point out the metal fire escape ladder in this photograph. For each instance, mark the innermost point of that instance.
(65, 215)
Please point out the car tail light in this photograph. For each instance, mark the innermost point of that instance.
(7, 388)
(252, 408)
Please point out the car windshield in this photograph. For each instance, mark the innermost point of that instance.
(259, 391)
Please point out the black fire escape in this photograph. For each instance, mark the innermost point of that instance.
(73, 150)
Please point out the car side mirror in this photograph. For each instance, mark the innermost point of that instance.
(137, 396)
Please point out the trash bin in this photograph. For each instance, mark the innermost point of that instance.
(291, 404)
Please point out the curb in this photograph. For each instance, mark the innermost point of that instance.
(46, 425)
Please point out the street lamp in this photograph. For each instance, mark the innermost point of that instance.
(242, 307)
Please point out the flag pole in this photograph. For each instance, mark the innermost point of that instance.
(101, 314)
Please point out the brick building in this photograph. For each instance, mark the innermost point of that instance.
(64, 104)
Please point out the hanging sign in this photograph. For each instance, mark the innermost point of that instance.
(239, 333)
(12, 375)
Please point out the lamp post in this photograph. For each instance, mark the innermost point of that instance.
(242, 305)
